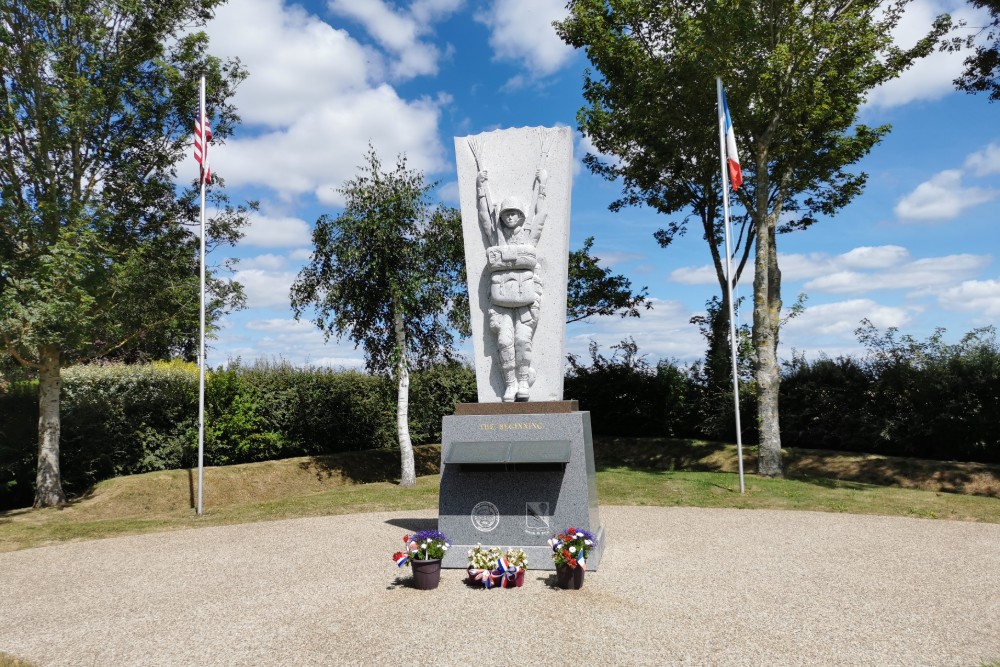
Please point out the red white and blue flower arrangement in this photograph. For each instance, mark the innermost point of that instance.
(571, 547)
(422, 545)
(494, 568)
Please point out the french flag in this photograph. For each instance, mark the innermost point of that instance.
(732, 158)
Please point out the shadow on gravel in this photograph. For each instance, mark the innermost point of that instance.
(413, 525)
(402, 581)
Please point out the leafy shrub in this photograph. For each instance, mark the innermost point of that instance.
(925, 399)
(824, 404)
(434, 392)
(628, 397)
(124, 419)
(18, 436)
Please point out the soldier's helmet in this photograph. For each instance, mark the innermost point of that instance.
(513, 204)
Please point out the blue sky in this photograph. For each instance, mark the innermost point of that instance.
(915, 251)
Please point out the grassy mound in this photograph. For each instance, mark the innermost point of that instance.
(630, 472)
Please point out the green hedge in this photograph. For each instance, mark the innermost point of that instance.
(909, 398)
(626, 396)
(127, 419)
(924, 399)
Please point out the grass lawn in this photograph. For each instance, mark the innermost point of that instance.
(630, 472)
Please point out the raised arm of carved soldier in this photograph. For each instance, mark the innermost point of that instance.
(541, 211)
(484, 207)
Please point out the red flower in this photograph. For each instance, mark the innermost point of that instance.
(406, 538)
(571, 562)
(571, 530)
(397, 555)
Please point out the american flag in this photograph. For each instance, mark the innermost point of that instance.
(202, 135)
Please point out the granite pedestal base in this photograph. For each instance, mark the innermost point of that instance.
(515, 480)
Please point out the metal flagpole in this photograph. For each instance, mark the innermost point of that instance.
(729, 277)
(203, 123)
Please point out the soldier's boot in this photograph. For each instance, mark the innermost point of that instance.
(511, 380)
(525, 378)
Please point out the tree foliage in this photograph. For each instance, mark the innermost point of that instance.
(926, 399)
(97, 251)
(795, 72)
(389, 250)
(595, 290)
(982, 66)
(387, 273)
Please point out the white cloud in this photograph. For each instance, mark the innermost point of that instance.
(298, 342)
(301, 255)
(920, 275)
(323, 148)
(448, 192)
(842, 319)
(296, 61)
(276, 232)
(803, 267)
(930, 78)
(984, 162)
(978, 296)
(400, 31)
(690, 275)
(857, 271)
(266, 262)
(314, 99)
(282, 326)
(941, 198)
(521, 31)
(613, 258)
(665, 332)
(877, 257)
(265, 289)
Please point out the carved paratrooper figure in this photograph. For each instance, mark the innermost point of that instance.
(512, 231)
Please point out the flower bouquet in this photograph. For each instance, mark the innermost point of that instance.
(569, 552)
(492, 567)
(424, 551)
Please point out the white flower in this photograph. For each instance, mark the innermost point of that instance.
(588, 543)
(572, 550)
(444, 547)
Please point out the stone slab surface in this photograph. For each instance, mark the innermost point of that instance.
(527, 408)
(511, 157)
(512, 505)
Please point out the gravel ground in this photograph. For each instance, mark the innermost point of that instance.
(677, 586)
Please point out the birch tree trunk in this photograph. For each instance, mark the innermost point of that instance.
(766, 321)
(407, 468)
(48, 481)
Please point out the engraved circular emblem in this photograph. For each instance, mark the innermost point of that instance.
(485, 516)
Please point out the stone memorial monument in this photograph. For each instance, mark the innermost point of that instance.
(514, 187)
(518, 466)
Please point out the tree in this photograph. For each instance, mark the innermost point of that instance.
(594, 290)
(387, 273)
(796, 73)
(982, 67)
(97, 250)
